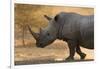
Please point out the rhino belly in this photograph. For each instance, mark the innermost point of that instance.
(89, 44)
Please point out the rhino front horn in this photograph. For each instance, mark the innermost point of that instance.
(47, 17)
(35, 35)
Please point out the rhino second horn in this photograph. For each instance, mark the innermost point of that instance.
(47, 17)
(40, 30)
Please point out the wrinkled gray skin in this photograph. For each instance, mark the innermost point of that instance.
(77, 30)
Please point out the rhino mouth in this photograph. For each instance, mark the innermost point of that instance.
(40, 45)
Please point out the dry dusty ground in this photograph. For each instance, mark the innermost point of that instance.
(56, 52)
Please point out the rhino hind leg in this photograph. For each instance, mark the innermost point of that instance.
(78, 50)
(74, 47)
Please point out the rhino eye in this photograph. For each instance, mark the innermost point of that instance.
(48, 34)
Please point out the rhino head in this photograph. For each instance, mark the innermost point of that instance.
(45, 36)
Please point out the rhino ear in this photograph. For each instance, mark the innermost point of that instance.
(35, 35)
(47, 17)
(56, 18)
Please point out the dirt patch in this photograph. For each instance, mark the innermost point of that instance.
(56, 52)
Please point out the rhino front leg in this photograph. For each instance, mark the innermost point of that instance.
(78, 50)
(72, 45)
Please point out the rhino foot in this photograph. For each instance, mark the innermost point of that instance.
(83, 55)
(69, 59)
